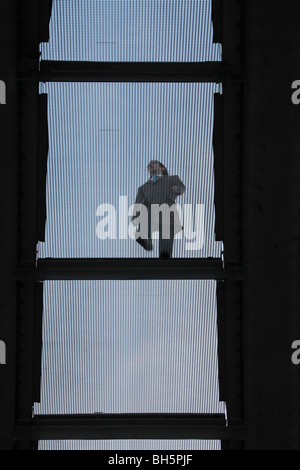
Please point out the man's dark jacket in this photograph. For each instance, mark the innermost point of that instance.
(160, 192)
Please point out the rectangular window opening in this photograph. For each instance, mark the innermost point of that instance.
(101, 138)
(131, 31)
(118, 347)
(138, 444)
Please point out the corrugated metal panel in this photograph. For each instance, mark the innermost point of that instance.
(131, 30)
(102, 136)
(138, 444)
(129, 347)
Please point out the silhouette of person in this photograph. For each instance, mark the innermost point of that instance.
(155, 209)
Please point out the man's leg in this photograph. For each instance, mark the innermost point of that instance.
(146, 243)
(166, 245)
(165, 248)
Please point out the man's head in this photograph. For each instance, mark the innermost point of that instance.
(156, 168)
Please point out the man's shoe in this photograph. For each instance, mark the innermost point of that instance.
(165, 255)
(145, 243)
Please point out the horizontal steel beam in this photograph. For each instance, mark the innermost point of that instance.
(127, 268)
(136, 426)
(71, 71)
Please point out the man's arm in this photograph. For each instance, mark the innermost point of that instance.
(178, 187)
(138, 200)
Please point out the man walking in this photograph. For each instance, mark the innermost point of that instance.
(155, 209)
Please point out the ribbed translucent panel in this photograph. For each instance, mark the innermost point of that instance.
(131, 30)
(129, 347)
(101, 138)
(137, 444)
